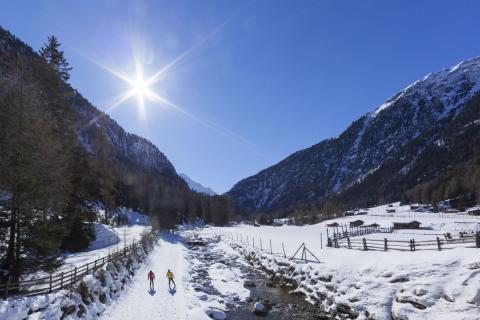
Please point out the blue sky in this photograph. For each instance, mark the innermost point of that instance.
(264, 78)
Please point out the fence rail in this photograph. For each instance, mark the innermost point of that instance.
(404, 245)
(61, 280)
(345, 232)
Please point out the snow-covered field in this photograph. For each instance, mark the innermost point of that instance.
(433, 284)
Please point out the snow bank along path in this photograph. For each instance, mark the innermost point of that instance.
(138, 303)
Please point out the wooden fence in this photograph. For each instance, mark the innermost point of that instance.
(348, 232)
(61, 280)
(405, 245)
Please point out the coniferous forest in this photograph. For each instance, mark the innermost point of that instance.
(59, 154)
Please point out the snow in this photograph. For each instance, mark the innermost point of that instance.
(105, 236)
(108, 239)
(187, 301)
(103, 287)
(138, 303)
(133, 217)
(441, 281)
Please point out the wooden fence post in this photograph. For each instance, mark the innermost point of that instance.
(321, 241)
(271, 251)
(365, 244)
(439, 244)
(385, 244)
(349, 244)
(261, 245)
(87, 268)
(284, 254)
(61, 281)
(413, 243)
(477, 239)
(50, 285)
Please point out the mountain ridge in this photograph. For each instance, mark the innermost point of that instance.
(333, 165)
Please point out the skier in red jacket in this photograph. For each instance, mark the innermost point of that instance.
(151, 277)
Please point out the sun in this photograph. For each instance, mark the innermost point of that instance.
(140, 88)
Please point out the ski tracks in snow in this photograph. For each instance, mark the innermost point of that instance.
(137, 303)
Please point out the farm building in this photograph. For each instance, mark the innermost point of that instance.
(474, 211)
(391, 210)
(356, 223)
(361, 212)
(407, 225)
(349, 213)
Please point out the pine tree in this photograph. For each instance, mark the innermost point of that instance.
(33, 172)
(52, 54)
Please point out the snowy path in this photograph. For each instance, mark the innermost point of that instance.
(138, 303)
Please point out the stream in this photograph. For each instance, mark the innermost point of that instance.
(283, 304)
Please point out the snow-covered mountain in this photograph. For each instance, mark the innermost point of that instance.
(392, 142)
(195, 186)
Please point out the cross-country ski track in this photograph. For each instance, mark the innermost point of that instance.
(138, 303)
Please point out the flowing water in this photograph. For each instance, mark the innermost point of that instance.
(284, 305)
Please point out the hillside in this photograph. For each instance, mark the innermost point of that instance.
(406, 147)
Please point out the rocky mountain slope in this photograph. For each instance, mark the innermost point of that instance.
(126, 166)
(389, 145)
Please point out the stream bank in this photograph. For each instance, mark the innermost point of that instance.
(239, 285)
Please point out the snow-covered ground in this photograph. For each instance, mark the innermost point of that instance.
(86, 300)
(188, 300)
(446, 283)
(108, 238)
(162, 303)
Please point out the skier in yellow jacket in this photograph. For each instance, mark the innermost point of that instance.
(170, 278)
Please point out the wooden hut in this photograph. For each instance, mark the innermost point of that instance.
(356, 223)
(407, 225)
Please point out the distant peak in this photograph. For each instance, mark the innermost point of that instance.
(196, 186)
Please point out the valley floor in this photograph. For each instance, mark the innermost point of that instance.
(425, 284)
